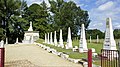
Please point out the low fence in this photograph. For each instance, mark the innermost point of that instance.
(109, 58)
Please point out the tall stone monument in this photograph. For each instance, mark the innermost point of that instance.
(83, 43)
(45, 38)
(109, 42)
(61, 40)
(69, 40)
(48, 42)
(51, 40)
(30, 36)
(55, 39)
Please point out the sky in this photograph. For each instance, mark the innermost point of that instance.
(98, 11)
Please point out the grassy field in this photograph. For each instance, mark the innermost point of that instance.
(77, 55)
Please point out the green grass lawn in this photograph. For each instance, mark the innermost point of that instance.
(77, 55)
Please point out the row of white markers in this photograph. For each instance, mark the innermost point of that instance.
(69, 41)
(83, 44)
(109, 42)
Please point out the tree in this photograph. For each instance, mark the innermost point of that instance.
(117, 33)
(8, 9)
(67, 14)
(39, 16)
(93, 33)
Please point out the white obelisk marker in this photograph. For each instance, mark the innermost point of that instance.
(83, 43)
(16, 41)
(51, 40)
(90, 39)
(109, 42)
(97, 38)
(48, 42)
(55, 39)
(61, 40)
(45, 38)
(69, 40)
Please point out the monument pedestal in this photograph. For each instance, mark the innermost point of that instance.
(30, 37)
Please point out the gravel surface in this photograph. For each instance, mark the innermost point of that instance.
(30, 55)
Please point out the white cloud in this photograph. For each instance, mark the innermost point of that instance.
(98, 2)
(100, 13)
(30, 2)
(118, 26)
(98, 24)
(106, 6)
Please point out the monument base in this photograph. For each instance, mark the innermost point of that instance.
(30, 37)
(81, 50)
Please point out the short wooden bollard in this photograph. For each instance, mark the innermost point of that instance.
(89, 58)
(2, 53)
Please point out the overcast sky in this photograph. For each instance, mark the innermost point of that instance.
(98, 11)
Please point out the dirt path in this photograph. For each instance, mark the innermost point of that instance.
(33, 56)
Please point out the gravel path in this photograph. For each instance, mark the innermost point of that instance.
(31, 55)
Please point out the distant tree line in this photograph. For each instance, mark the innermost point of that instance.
(93, 33)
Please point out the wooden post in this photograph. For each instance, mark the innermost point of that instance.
(89, 58)
(2, 53)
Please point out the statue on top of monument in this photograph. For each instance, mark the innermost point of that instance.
(30, 28)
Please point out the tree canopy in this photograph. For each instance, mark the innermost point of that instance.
(67, 14)
(15, 16)
(93, 33)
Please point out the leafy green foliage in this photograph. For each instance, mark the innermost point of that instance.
(67, 14)
(93, 33)
(117, 33)
(38, 15)
(9, 9)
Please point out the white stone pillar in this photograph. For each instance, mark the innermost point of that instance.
(55, 39)
(2, 44)
(90, 39)
(97, 38)
(51, 40)
(109, 42)
(61, 40)
(83, 43)
(32, 40)
(45, 38)
(16, 40)
(69, 40)
(6, 41)
(48, 39)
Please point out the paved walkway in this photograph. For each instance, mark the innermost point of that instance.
(33, 56)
